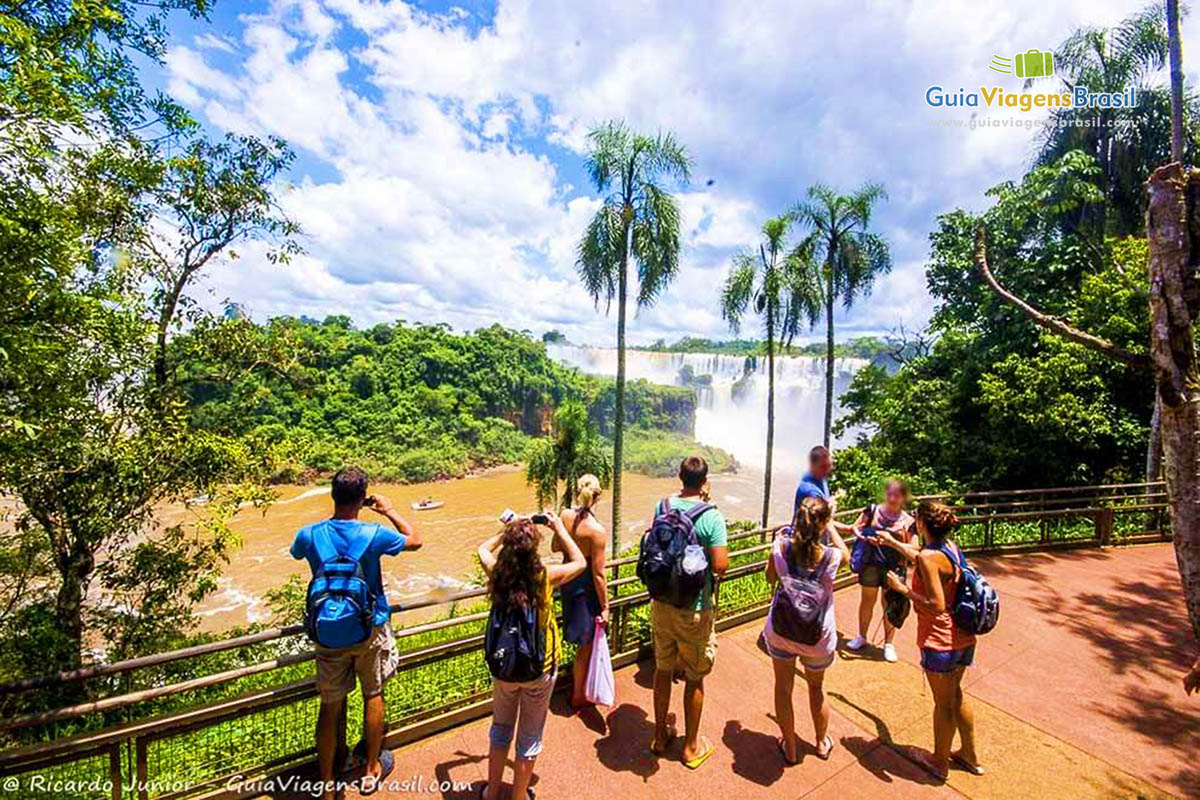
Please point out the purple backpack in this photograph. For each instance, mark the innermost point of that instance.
(801, 600)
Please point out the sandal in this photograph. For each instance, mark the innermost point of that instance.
(974, 769)
(783, 752)
(698, 761)
(387, 762)
(828, 751)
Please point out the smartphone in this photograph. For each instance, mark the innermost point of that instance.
(539, 519)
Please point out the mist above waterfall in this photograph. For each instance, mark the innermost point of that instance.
(731, 410)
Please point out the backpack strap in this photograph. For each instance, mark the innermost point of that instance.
(360, 544)
(664, 506)
(697, 511)
(958, 563)
(322, 543)
(326, 551)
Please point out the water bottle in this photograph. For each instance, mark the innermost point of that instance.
(693, 559)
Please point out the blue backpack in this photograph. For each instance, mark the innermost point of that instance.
(867, 553)
(340, 608)
(976, 606)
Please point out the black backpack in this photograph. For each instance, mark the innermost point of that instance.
(514, 644)
(660, 562)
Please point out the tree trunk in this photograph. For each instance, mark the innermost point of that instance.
(75, 570)
(1173, 231)
(766, 511)
(1154, 449)
(828, 354)
(1175, 57)
(619, 422)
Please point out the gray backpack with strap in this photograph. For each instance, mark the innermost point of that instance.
(801, 601)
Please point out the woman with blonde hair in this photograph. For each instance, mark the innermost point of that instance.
(798, 554)
(585, 599)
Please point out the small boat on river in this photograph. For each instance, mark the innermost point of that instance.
(428, 504)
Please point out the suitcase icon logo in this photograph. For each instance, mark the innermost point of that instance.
(1030, 64)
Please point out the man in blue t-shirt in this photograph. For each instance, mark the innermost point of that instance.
(815, 482)
(374, 660)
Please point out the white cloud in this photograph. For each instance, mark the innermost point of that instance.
(442, 151)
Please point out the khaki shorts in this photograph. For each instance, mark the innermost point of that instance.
(373, 662)
(683, 636)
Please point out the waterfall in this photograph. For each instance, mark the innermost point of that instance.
(731, 411)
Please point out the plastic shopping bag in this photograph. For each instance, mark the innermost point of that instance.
(599, 687)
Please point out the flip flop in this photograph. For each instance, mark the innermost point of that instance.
(662, 751)
(699, 760)
(974, 769)
(829, 751)
(930, 769)
(783, 752)
(387, 762)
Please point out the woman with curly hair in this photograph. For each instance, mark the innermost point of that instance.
(946, 651)
(518, 578)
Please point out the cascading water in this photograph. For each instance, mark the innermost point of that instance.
(731, 412)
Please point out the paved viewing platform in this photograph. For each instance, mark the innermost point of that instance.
(1077, 694)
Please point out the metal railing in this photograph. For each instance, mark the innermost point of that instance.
(199, 720)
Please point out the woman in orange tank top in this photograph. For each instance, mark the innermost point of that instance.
(946, 651)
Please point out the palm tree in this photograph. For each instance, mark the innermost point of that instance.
(1175, 56)
(1127, 143)
(851, 256)
(782, 288)
(637, 220)
(573, 449)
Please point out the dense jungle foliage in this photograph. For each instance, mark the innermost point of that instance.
(413, 403)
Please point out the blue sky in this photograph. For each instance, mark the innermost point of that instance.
(440, 145)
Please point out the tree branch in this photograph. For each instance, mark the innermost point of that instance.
(1051, 323)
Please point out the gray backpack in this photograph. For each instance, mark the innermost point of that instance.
(800, 602)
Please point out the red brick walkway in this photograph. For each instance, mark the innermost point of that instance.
(1077, 694)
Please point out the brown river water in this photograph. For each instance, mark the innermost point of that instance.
(451, 533)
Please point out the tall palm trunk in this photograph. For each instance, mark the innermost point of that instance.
(766, 510)
(619, 422)
(828, 352)
(1175, 56)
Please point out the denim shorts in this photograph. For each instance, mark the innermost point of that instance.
(946, 660)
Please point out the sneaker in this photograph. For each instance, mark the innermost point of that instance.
(857, 643)
(889, 653)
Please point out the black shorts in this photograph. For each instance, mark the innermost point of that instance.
(873, 575)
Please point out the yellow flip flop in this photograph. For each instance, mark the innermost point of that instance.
(699, 760)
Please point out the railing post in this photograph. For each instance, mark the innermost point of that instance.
(1104, 518)
(114, 770)
(989, 534)
(142, 772)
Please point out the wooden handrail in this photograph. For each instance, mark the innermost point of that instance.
(277, 633)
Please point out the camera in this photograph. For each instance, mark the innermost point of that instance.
(539, 519)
